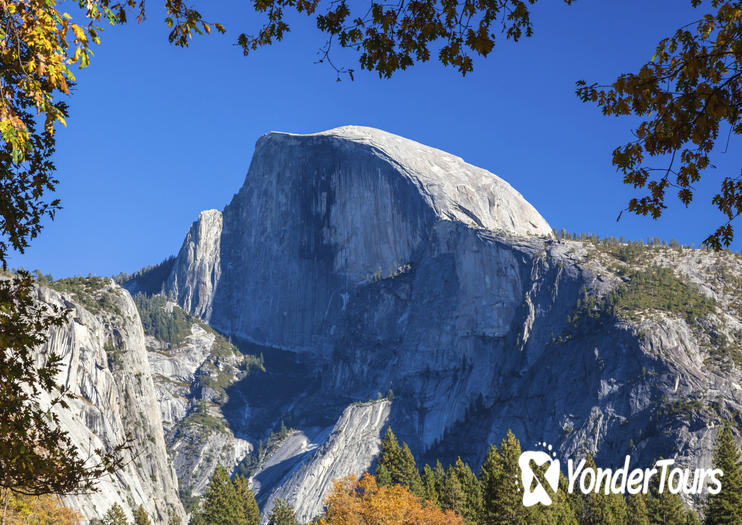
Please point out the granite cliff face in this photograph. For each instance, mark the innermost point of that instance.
(106, 366)
(196, 271)
(320, 214)
(357, 262)
(350, 448)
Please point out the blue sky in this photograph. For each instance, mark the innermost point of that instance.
(158, 133)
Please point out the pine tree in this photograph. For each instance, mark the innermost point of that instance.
(250, 513)
(399, 463)
(560, 512)
(488, 478)
(282, 514)
(501, 492)
(389, 457)
(409, 476)
(636, 508)
(430, 490)
(283, 431)
(664, 507)
(115, 516)
(141, 517)
(451, 495)
(440, 478)
(599, 508)
(691, 518)
(726, 506)
(472, 507)
(383, 478)
(220, 503)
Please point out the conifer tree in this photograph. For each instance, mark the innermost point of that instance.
(141, 517)
(409, 476)
(440, 477)
(664, 507)
(399, 463)
(383, 478)
(282, 514)
(451, 496)
(691, 518)
(220, 503)
(560, 512)
(636, 508)
(250, 513)
(472, 507)
(389, 459)
(500, 478)
(430, 489)
(283, 431)
(488, 478)
(726, 506)
(115, 516)
(599, 508)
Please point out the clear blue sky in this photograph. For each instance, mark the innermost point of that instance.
(159, 133)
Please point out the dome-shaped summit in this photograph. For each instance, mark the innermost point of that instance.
(454, 189)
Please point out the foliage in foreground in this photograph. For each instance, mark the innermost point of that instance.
(36, 455)
(688, 97)
(17, 509)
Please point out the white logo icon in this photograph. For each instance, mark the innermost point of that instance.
(527, 476)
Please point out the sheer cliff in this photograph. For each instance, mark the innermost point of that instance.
(106, 367)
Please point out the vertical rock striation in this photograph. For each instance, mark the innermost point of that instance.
(196, 271)
(319, 215)
(106, 366)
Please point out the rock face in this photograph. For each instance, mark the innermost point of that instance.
(106, 366)
(196, 272)
(174, 371)
(350, 448)
(191, 370)
(319, 214)
(358, 262)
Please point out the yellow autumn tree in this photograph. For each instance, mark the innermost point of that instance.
(363, 502)
(18, 509)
